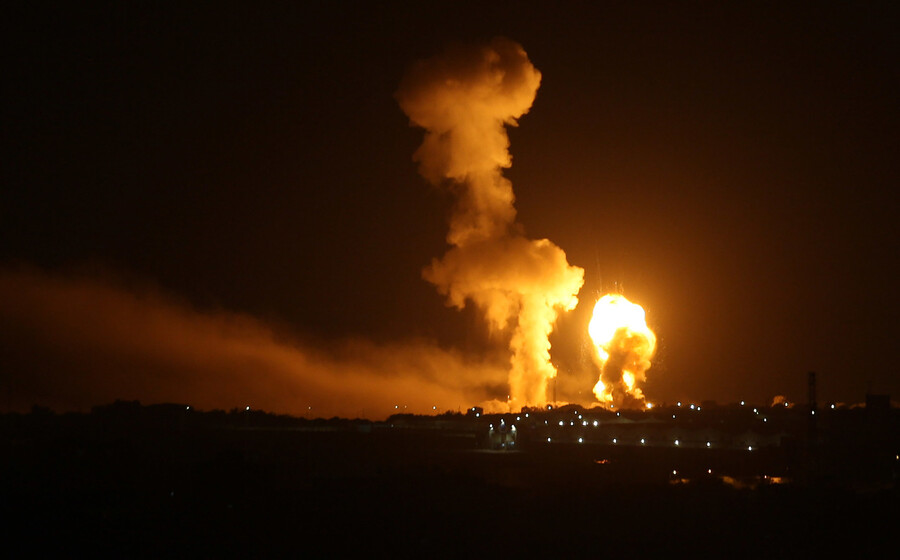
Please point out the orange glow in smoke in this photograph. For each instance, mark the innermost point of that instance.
(624, 346)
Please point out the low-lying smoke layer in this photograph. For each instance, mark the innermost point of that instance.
(71, 342)
(463, 99)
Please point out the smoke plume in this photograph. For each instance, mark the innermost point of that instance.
(463, 99)
(73, 341)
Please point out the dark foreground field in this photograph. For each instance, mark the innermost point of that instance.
(125, 491)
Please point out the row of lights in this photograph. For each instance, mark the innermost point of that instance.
(643, 441)
(692, 406)
(675, 472)
(786, 404)
(596, 424)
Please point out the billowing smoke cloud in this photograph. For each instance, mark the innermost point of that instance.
(623, 372)
(463, 99)
(74, 341)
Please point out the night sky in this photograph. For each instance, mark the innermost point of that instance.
(730, 168)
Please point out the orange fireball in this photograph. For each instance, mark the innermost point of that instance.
(624, 346)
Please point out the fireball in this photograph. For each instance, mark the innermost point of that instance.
(624, 346)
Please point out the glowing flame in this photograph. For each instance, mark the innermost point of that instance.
(624, 345)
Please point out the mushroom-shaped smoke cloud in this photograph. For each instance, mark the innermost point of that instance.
(463, 99)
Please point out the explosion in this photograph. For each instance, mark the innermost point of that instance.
(463, 99)
(624, 345)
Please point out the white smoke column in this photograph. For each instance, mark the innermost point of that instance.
(463, 99)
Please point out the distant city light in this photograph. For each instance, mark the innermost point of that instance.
(580, 440)
(676, 442)
(642, 441)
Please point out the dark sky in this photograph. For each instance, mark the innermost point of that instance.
(730, 168)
